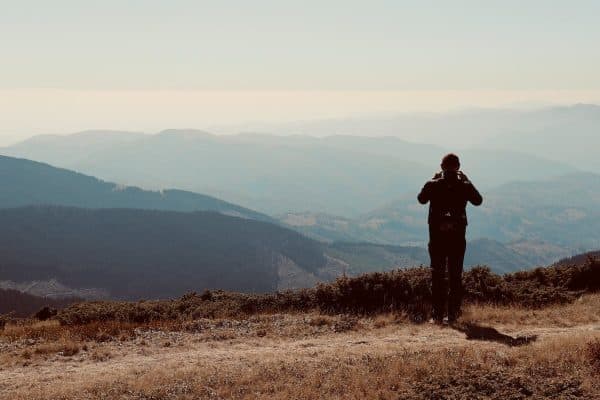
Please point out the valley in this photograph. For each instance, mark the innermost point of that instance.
(350, 198)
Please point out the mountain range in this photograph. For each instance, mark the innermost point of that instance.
(340, 175)
(65, 233)
(557, 214)
(135, 254)
(326, 205)
(28, 182)
(566, 133)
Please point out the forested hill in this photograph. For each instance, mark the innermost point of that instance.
(146, 253)
(340, 175)
(580, 258)
(19, 304)
(26, 182)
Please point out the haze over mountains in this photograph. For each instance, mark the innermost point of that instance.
(563, 133)
(561, 210)
(339, 175)
(352, 197)
(28, 182)
(269, 177)
(67, 234)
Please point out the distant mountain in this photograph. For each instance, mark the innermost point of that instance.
(563, 133)
(560, 210)
(570, 134)
(368, 257)
(360, 258)
(27, 182)
(340, 175)
(66, 150)
(498, 256)
(482, 165)
(25, 305)
(543, 220)
(131, 254)
(580, 258)
(149, 254)
(269, 177)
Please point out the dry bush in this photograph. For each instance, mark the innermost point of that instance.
(31, 329)
(405, 291)
(101, 355)
(409, 290)
(45, 313)
(593, 354)
(346, 323)
(6, 319)
(215, 304)
(65, 348)
(321, 320)
(383, 320)
(26, 354)
(97, 331)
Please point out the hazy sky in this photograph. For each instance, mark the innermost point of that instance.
(105, 58)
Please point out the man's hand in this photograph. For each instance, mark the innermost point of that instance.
(463, 177)
(438, 175)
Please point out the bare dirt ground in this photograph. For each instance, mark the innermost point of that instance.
(492, 353)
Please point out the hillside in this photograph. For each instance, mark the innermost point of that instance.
(361, 258)
(580, 258)
(148, 254)
(23, 305)
(554, 216)
(369, 257)
(527, 335)
(342, 175)
(30, 183)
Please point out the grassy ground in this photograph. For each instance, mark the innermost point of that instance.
(496, 352)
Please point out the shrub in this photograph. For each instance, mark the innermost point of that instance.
(593, 354)
(404, 290)
(45, 313)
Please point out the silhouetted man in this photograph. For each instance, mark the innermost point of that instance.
(448, 193)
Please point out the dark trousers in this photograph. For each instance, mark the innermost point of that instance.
(447, 252)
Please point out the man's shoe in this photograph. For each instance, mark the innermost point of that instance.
(436, 321)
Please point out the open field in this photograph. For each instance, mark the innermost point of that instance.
(496, 352)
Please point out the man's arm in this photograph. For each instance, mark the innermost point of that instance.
(425, 194)
(474, 195)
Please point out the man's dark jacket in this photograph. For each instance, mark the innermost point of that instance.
(448, 194)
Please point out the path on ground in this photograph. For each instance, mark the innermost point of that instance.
(132, 358)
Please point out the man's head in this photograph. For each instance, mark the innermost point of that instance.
(450, 163)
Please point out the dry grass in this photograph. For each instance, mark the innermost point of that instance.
(303, 345)
(556, 368)
(593, 354)
(94, 331)
(66, 348)
(584, 310)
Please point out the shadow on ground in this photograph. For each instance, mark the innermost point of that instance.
(479, 332)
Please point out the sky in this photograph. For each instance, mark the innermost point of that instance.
(150, 65)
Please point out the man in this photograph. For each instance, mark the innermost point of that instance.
(448, 193)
